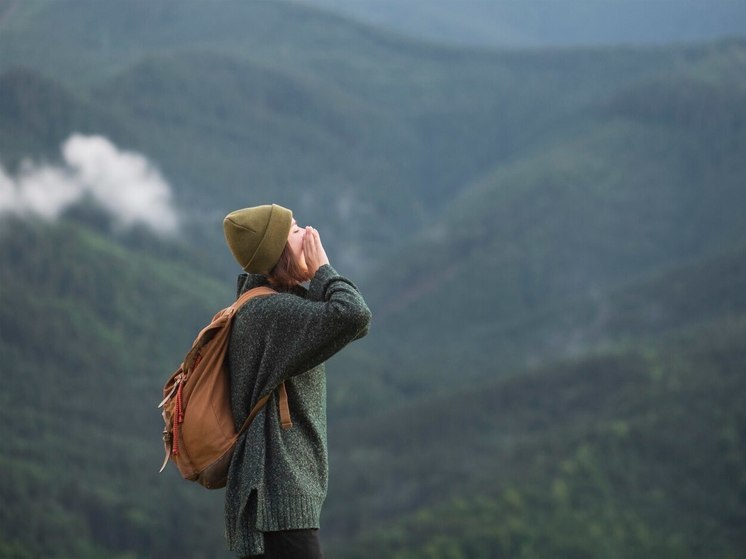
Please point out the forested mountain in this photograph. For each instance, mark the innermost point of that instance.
(551, 242)
(87, 330)
(270, 97)
(646, 177)
(620, 454)
(577, 457)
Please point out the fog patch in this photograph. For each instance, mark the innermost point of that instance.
(125, 184)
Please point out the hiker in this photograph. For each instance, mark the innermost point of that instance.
(278, 475)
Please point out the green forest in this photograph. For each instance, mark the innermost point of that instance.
(551, 241)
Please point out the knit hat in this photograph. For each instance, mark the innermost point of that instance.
(257, 236)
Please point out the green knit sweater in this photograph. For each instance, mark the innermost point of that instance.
(278, 477)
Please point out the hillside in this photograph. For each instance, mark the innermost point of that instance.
(274, 99)
(89, 332)
(648, 177)
(579, 456)
(690, 293)
(38, 113)
(624, 453)
(565, 420)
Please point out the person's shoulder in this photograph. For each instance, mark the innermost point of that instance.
(267, 304)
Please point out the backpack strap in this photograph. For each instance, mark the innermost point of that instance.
(257, 291)
(284, 410)
(284, 406)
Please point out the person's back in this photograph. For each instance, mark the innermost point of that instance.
(278, 476)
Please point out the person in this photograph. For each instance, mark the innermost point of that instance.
(277, 479)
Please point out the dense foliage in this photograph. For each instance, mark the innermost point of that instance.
(88, 333)
(581, 457)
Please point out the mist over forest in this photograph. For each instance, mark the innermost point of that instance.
(542, 204)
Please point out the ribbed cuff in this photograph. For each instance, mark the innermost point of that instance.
(317, 287)
(289, 512)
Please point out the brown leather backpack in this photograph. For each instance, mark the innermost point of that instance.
(200, 433)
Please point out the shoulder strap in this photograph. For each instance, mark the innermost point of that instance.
(284, 407)
(284, 410)
(256, 292)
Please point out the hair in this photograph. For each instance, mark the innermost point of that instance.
(286, 274)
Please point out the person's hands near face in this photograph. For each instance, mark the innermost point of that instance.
(313, 250)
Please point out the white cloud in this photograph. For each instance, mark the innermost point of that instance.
(123, 183)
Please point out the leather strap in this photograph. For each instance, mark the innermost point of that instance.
(284, 408)
(255, 410)
(256, 292)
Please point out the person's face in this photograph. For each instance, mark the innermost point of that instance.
(295, 240)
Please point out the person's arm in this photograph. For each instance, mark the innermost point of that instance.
(315, 257)
(300, 334)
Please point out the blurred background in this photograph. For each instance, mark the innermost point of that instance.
(542, 201)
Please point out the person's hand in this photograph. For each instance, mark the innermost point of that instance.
(313, 251)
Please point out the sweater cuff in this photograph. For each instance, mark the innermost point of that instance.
(320, 281)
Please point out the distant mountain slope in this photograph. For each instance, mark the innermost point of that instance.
(37, 114)
(271, 100)
(626, 453)
(237, 130)
(490, 102)
(368, 165)
(83, 359)
(650, 177)
(92, 39)
(390, 372)
(89, 331)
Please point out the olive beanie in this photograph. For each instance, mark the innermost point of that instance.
(257, 236)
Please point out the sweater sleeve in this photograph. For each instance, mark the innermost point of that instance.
(301, 333)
